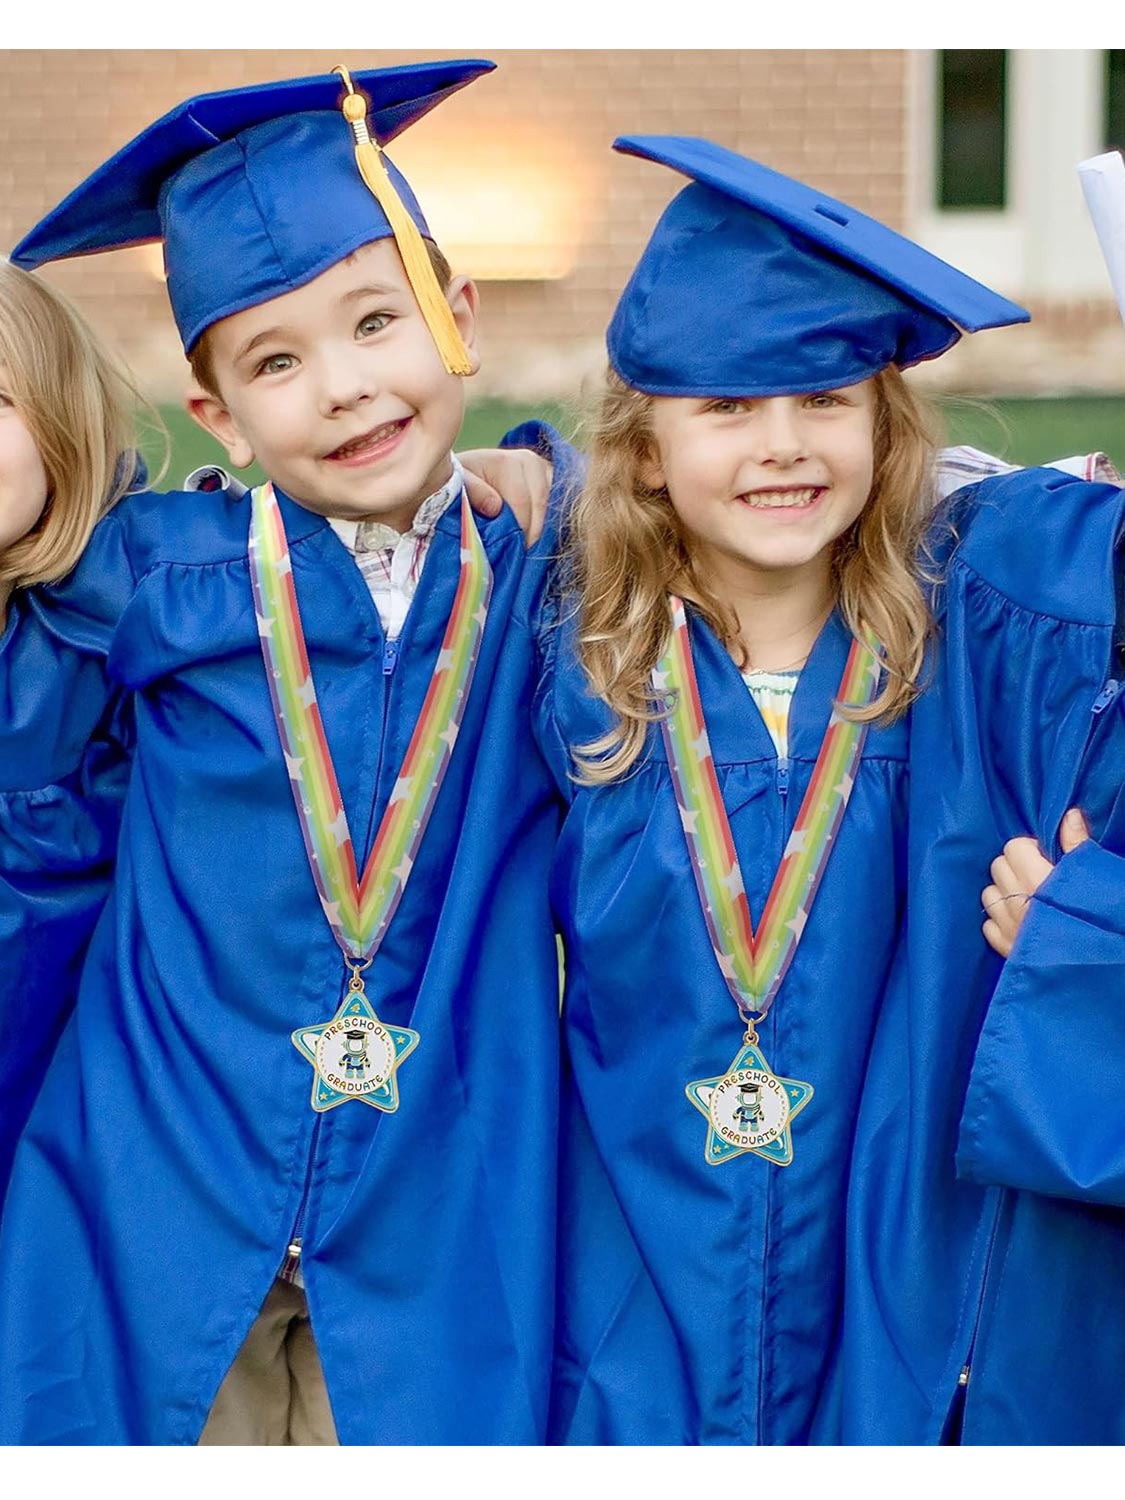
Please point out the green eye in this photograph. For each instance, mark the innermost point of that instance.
(277, 364)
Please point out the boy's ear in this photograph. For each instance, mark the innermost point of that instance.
(464, 299)
(208, 412)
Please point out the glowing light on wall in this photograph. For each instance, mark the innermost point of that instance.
(507, 200)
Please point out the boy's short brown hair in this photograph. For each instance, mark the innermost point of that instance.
(200, 356)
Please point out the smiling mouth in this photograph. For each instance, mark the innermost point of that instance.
(370, 442)
(792, 499)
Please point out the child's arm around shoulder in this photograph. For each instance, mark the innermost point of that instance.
(56, 680)
(66, 737)
(1044, 539)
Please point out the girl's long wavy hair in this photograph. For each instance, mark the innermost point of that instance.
(627, 551)
(79, 407)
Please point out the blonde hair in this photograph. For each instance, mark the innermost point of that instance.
(78, 405)
(627, 551)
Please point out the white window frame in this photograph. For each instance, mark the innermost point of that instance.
(1041, 244)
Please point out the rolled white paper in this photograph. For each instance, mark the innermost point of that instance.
(1103, 183)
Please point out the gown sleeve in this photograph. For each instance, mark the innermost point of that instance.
(543, 600)
(56, 680)
(1043, 1107)
(568, 465)
(65, 746)
(57, 848)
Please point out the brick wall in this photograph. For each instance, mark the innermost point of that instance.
(833, 118)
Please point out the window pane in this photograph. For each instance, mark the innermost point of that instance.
(1115, 100)
(972, 129)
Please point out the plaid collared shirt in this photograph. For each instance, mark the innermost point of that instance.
(391, 562)
(964, 465)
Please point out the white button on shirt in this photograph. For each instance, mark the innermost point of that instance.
(391, 562)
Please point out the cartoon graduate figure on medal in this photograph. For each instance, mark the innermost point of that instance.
(354, 1056)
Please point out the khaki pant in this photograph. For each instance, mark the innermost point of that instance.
(274, 1394)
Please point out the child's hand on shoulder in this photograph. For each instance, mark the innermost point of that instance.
(517, 476)
(1017, 874)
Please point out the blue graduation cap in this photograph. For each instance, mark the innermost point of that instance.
(755, 285)
(256, 191)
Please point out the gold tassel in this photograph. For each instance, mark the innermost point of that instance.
(411, 246)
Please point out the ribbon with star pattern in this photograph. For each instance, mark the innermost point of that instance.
(754, 964)
(359, 911)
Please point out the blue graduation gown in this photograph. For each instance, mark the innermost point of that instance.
(172, 1152)
(698, 1303)
(58, 845)
(986, 1231)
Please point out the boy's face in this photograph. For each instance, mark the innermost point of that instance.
(338, 390)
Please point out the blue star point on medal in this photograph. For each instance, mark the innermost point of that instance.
(324, 1096)
(780, 1151)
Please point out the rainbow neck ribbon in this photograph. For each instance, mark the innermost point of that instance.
(755, 964)
(360, 911)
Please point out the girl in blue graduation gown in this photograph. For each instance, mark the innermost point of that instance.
(701, 1291)
(66, 456)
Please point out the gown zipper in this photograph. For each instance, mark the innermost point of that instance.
(782, 779)
(781, 784)
(955, 1415)
(1105, 697)
(296, 1234)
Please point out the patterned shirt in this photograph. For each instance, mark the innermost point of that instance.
(391, 562)
(964, 465)
(773, 693)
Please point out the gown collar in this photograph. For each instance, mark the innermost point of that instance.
(735, 727)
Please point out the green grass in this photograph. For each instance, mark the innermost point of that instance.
(1025, 431)
(1034, 430)
(485, 425)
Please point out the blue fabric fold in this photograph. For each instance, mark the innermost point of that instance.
(999, 1270)
(172, 1152)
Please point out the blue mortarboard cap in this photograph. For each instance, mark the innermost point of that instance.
(753, 285)
(254, 191)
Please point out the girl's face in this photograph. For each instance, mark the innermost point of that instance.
(766, 482)
(24, 487)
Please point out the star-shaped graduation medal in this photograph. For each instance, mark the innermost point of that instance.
(354, 1056)
(749, 1108)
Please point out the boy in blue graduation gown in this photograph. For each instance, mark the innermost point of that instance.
(172, 1163)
